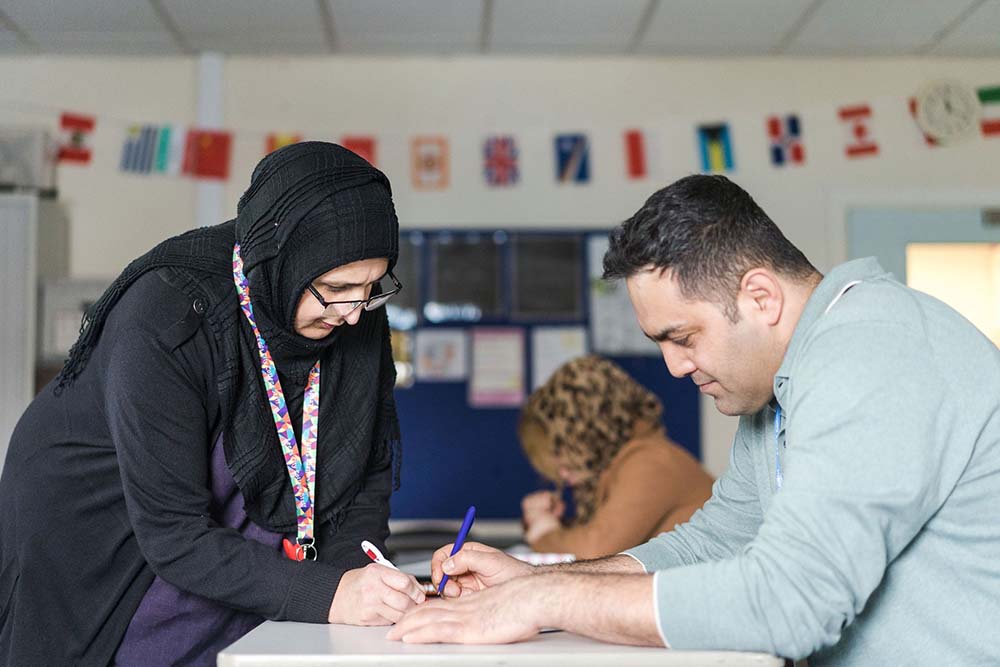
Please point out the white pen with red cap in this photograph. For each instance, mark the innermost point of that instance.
(376, 555)
(373, 552)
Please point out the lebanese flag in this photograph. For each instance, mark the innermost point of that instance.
(74, 143)
(857, 119)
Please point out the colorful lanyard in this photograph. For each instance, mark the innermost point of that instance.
(778, 477)
(301, 469)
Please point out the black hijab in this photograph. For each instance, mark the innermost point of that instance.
(310, 208)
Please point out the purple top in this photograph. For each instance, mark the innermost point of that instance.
(172, 627)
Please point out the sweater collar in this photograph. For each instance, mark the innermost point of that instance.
(830, 289)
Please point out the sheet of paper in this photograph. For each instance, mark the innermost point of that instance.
(613, 327)
(497, 367)
(551, 347)
(440, 355)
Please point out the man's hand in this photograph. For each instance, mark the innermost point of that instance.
(374, 595)
(500, 615)
(611, 607)
(540, 513)
(475, 567)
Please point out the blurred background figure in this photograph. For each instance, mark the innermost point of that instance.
(593, 428)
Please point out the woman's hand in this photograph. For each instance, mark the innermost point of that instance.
(374, 595)
(541, 512)
(475, 567)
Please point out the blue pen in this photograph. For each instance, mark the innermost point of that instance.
(463, 532)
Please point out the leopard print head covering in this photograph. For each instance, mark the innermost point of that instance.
(588, 410)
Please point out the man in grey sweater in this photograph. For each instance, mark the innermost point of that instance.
(858, 522)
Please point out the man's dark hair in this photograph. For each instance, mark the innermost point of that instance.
(709, 232)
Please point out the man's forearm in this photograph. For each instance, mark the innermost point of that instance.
(615, 608)
(617, 564)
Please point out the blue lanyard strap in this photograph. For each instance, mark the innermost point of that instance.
(778, 477)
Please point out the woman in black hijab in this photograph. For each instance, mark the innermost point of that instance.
(175, 486)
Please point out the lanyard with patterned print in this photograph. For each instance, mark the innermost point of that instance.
(301, 467)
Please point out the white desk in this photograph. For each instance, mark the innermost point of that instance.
(305, 644)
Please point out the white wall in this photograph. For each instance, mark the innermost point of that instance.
(117, 216)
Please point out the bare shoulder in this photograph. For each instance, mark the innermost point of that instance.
(654, 453)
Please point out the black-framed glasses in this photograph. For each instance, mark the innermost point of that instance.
(371, 303)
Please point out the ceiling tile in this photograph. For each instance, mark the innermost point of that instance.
(977, 35)
(101, 27)
(87, 16)
(691, 28)
(8, 42)
(886, 27)
(269, 44)
(720, 27)
(592, 26)
(249, 26)
(107, 43)
(419, 26)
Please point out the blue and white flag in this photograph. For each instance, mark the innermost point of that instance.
(139, 150)
(572, 158)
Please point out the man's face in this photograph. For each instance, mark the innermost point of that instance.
(345, 283)
(732, 363)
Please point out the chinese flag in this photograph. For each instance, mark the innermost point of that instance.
(362, 145)
(206, 154)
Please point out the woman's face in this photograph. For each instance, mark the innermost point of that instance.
(350, 282)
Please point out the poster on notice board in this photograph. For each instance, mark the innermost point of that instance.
(497, 379)
(613, 327)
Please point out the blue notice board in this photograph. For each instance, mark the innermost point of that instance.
(456, 455)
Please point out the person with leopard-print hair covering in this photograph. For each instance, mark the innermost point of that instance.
(594, 428)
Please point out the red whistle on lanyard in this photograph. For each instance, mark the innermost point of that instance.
(298, 551)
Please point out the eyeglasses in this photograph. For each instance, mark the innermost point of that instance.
(371, 303)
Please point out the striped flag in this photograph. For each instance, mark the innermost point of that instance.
(635, 154)
(169, 150)
(990, 99)
(716, 150)
(857, 119)
(139, 149)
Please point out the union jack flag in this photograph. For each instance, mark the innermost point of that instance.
(500, 160)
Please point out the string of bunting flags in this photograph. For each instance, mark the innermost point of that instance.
(205, 154)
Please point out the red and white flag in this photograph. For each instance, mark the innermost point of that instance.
(429, 163)
(74, 142)
(857, 119)
(635, 154)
